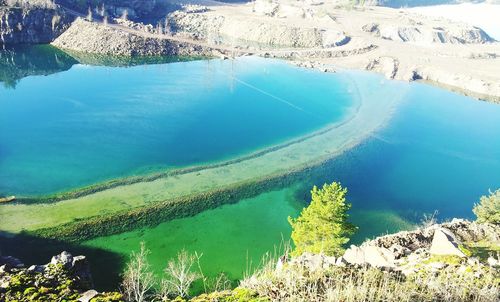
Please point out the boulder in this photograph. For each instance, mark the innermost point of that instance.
(354, 255)
(379, 257)
(313, 262)
(37, 268)
(493, 262)
(370, 254)
(80, 268)
(64, 258)
(445, 243)
(341, 261)
(88, 295)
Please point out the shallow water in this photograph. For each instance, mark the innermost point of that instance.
(438, 151)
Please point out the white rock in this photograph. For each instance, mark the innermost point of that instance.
(64, 258)
(340, 261)
(354, 255)
(379, 256)
(372, 255)
(445, 243)
(265, 8)
(493, 262)
(88, 295)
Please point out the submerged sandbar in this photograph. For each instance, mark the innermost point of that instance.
(377, 100)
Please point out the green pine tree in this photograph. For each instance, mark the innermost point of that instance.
(488, 208)
(322, 227)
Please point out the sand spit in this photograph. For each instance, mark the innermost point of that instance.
(377, 102)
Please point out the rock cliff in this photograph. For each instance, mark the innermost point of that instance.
(31, 25)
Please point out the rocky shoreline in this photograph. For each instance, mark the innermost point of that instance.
(454, 261)
(457, 248)
(404, 250)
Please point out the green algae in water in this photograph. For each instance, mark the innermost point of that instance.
(232, 238)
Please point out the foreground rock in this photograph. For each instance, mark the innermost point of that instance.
(445, 243)
(64, 278)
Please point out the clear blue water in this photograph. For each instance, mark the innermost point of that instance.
(90, 124)
(440, 151)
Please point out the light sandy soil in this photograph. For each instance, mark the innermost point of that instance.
(399, 43)
(404, 45)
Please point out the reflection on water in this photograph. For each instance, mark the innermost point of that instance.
(23, 61)
(18, 62)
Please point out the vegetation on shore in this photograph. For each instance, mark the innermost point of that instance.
(488, 208)
(322, 227)
(316, 271)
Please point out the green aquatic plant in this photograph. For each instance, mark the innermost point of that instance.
(322, 227)
(488, 208)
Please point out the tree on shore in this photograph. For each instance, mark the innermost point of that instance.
(179, 276)
(322, 227)
(138, 280)
(488, 208)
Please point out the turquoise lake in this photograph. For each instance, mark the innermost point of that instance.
(91, 124)
(438, 151)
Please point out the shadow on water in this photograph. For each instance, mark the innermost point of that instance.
(18, 62)
(105, 266)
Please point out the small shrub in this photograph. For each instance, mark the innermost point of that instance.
(179, 276)
(138, 280)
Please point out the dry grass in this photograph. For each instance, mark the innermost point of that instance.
(348, 284)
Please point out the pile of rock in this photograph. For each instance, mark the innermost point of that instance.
(407, 252)
(77, 267)
(88, 37)
(64, 278)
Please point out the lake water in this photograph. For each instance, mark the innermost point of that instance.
(439, 151)
(90, 124)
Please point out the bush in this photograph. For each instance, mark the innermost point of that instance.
(488, 208)
(322, 227)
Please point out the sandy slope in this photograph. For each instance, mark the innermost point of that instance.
(408, 46)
